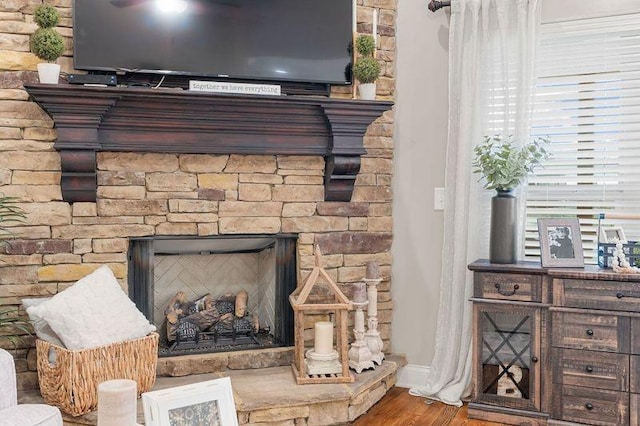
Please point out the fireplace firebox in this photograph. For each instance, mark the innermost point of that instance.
(215, 294)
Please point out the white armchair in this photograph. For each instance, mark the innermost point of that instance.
(14, 414)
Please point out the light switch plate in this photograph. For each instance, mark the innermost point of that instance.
(438, 199)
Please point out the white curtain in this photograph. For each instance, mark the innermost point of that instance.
(491, 78)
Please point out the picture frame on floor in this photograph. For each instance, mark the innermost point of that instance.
(560, 243)
(206, 403)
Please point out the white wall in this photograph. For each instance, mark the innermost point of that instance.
(420, 140)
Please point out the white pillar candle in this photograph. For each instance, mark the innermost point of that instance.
(117, 405)
(354, 16)
(323, 342)
(375, 27)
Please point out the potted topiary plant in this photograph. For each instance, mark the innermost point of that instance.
(366, 69)
(504, 166)
(46, 43)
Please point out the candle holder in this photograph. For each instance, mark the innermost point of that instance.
(322, 359)
(372, 336)
(359, 354)
(320, 364)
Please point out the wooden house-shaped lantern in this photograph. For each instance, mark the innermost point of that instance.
(323, 363)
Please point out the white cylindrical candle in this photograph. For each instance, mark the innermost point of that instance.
(375, 27)
(117, 405)
(323, 343)
(354, 18)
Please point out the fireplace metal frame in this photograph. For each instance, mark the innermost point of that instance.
(140, 273)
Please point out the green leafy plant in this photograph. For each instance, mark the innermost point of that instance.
(9, 212)
(46, 16)
(503, 164)
(366, 70)
(12, 326)
(46, 43)
(365, 45)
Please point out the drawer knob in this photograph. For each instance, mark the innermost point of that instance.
(589, 332)
(589, 369)
(534, 359)
(507, 292)
(619, 295)
(588, 406)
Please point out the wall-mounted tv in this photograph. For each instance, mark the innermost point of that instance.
(288, 40)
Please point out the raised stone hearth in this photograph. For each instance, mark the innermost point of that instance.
(270, 396)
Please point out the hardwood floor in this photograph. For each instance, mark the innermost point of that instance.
(398, 408)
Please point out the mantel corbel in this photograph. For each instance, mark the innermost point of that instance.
(91, 119)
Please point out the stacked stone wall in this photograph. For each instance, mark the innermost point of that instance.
(170, 194)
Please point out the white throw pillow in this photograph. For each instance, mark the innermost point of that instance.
(40, 326)
(95, 311)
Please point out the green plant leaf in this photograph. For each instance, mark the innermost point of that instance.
(503, 164)
(12, 326)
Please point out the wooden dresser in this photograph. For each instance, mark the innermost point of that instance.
(555, 346)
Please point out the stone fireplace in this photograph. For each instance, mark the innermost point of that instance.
(114, 166)
(220, 267)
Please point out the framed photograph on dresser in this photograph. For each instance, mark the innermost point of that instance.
(560, 243)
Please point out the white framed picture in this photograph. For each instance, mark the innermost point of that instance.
(612, 234)
(207, 403)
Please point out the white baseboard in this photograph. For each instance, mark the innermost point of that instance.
(412, 375)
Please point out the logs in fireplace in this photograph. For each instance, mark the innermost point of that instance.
(211, 322)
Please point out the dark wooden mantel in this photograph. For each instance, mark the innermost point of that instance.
(92, 119)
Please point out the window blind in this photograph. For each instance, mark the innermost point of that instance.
(587, 102)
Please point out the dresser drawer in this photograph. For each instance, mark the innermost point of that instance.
(591, 406)
(601, 370)
(521, 287)
(595, 294)
(608, 333)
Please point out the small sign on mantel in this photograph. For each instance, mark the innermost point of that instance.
(238, 88)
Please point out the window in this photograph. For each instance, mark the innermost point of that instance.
(587, 103)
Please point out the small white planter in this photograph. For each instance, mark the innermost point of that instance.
(48, 73)
(367, 91)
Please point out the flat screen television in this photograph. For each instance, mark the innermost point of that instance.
(289, 40)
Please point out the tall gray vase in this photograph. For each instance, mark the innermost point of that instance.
(504, 224)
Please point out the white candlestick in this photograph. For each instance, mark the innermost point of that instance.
(354, 17)
(323, 343)
(117, 404)
(375, 27)
(372, 295)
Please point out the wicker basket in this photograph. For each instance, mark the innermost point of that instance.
(71, 381)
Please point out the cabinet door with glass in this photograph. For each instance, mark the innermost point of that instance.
(507, 355)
